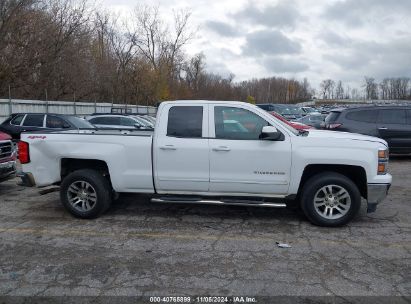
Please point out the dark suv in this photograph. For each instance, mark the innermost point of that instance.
(22, 122)
(391, 123)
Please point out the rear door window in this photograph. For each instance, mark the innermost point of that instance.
(363, 116)
(393, 116)
(34, 120)
(185, 121)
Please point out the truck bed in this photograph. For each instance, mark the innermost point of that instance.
(126, 153)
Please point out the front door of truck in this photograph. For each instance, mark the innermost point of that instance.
(241, 162)
(181, 159)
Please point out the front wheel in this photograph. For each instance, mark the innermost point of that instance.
(330, 199)
(85, 193)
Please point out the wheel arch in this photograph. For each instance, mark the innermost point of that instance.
(355, 173)
(69, 165)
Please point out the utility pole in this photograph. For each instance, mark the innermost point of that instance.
(95, 104)
(47, 101)
(10, 103)
(74, 103)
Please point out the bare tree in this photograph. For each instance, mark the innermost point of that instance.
(370, 87)
(327, 88)
(339, 90)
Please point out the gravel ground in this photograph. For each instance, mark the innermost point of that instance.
(142, 249)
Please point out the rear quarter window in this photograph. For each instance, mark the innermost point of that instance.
(17, 120)
(332, 117)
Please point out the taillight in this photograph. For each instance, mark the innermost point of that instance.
(24, 154)
(334, 126)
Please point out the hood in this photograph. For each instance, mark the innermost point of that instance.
(4, 136)
(345, 135)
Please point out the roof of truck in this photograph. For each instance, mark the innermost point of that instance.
(204, 101)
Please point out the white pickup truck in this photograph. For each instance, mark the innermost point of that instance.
(212, 152)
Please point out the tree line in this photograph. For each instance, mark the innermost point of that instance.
(69, 50)
(392, 88)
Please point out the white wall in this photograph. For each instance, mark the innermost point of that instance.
(62, 107)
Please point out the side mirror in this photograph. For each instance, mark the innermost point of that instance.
(271, 133)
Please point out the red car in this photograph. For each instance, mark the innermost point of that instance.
(7, 157)
(295, 125)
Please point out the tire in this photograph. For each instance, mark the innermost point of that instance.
(85, 193)
(330, 199)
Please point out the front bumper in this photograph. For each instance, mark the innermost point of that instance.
(7, 170)
(376, 194)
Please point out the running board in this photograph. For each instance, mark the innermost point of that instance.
(248, 203)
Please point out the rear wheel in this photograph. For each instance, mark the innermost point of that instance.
(86, 193)
(330, 199)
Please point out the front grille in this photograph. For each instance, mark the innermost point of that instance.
(6, 149)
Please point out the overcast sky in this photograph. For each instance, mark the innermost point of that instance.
(317, 39)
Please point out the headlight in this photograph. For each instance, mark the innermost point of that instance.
(382, 161)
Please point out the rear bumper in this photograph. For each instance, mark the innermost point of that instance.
(7, 170)
(376, 194)
(27, 179)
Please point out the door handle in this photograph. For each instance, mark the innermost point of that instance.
(383, 128)
(168, 147)
(221, 148)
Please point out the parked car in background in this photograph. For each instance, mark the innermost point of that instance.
(295, 125)
(7, 157)
(315, 120)
(118, 121)
(145, 120)
(309, 110)
(391, 123)
(23, 122)
(149, 118)
(288, 111)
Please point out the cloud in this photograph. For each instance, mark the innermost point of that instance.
(317, 39)
(354, 13)
(333, 39)
(269, 42)
(282, 15)
(221, 28)
(281, 65)
(378, 59)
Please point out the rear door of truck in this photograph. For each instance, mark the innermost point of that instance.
(181, 152)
